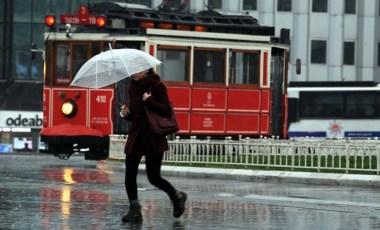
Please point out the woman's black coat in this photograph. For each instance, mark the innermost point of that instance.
(140, 139)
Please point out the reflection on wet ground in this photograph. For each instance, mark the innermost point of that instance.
(43, 192)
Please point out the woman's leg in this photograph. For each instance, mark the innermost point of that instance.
(131, 169)
(153, 169)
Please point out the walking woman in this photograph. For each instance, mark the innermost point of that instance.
(146, 89)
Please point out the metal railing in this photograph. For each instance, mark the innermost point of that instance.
(317, 154)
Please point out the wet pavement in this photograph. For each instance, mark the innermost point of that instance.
(39, 191)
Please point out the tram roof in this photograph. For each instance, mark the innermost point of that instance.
(125, 17)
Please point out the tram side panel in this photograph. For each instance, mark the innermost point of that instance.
(221, 111)
(248, 111)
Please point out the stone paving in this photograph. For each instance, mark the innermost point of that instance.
(42, 192)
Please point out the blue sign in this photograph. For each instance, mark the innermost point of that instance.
(362, 134)
(5, 148)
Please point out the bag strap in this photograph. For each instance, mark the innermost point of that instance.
(170, 102)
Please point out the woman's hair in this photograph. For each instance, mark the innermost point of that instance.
(151, 71)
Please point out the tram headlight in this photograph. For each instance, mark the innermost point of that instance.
(69, 108)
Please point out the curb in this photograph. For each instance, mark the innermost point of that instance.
(256, 175)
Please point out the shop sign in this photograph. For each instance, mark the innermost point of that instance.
(21, 119)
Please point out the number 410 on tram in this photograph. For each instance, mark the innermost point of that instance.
(226, 74)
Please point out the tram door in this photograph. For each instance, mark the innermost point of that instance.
(277, 83)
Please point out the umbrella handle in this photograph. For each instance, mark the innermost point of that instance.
(120, 94)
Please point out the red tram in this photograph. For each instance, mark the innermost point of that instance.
(226, 74)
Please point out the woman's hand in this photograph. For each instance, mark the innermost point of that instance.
(146, 96)
(124, 111)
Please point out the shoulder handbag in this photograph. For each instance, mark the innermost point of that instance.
(162, 125)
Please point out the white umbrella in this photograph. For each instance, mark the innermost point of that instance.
(112, 66)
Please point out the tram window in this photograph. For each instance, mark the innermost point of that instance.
(175, 67)
(209, 66)
(360, 105)
(62, 67)
(244, 68)
(321, 105)
(95, 48)
(79, 57)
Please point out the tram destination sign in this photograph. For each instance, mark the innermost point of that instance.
(82, 18)
(75, 20)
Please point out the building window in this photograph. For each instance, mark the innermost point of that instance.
(216, 4)
(1, 65)
(21, 55)
(1, 49)
(249, 4)
(284, 5)
(62, 7)
(1, 38)
(378, 54)
(2, 7)
(349, 53)
(350, 6)
(27, 28)
(319, 6)
(318, 52)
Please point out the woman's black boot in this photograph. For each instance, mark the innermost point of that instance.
(179, 201)
(134, 214)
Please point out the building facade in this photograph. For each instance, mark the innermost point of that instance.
(336, 40)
